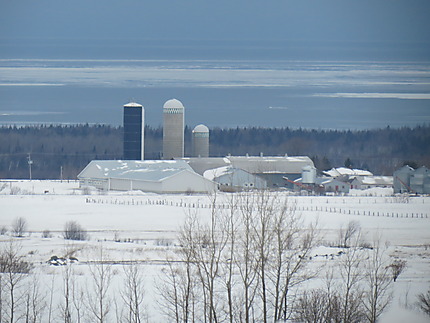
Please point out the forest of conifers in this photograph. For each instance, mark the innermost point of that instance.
(65, 150)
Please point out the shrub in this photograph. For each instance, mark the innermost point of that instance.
(3, 230)
(46, 234)
(424, 302)
(19, 226)
(74, 231)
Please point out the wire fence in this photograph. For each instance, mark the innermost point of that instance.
(303, 208)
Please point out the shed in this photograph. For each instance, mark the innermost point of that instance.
(366, 182)
(235, 179)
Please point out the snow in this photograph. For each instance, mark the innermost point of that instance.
(211, 174)
(173, 104)
(201, 128)
(148, 170)
(146, 224)
(335, 172)
(133, 105)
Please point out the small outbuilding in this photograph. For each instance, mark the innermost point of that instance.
(402, 179)
(168, 176)
(232, 179)
(366, 182)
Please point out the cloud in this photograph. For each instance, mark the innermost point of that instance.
(31, 84)
(401, 96)
(279, 108)
(29, 113)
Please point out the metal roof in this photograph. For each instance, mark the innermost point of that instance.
(148, 170)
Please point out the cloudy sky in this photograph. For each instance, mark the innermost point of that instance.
(403, 25)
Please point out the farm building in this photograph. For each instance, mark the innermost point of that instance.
(362, 183)
(273, 170)
(402, 179)
(333, 185)
(344, 173)
(202, 164)
(147, 176)
(420, 180)
(234, 179)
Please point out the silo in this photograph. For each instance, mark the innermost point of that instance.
(309, 175)
(173, 129)
(402, 179)
(134, 125)
(200, 141)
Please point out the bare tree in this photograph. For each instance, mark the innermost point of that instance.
(178, 292)
(19, 226)
(292, 245)
(350, 290)
(345, 235)
(263, 227)
(13, 271)
(133, 293)
(35, 301)
(208, 245)
(231, 229)
(377, 281)
(423, 302)
(397, 267)
(98, 298)
(66, 305)
(246, 259)
(51, 298)
(78, 301)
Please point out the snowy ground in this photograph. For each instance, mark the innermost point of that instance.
(137, 226)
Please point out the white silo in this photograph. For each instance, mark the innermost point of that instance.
(173, 129)
(200, 141)
(309, 175)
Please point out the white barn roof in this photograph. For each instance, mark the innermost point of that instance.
(258, 164)
(342, 171)
(148, 170)
(212, 174)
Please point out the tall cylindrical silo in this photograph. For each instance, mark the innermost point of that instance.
(200, 141)
(173, 129)
(134, 126)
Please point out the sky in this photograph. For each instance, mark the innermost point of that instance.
(304, 24)
(240, 58)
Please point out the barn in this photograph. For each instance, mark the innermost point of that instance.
(167, 176)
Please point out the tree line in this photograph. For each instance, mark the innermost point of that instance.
(63, 151)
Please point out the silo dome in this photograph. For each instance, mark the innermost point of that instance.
(201, 128)
(173, 129)
(200, 141)
(173, 104)
(133, 105)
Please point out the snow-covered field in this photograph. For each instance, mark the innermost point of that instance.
(143, 227)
